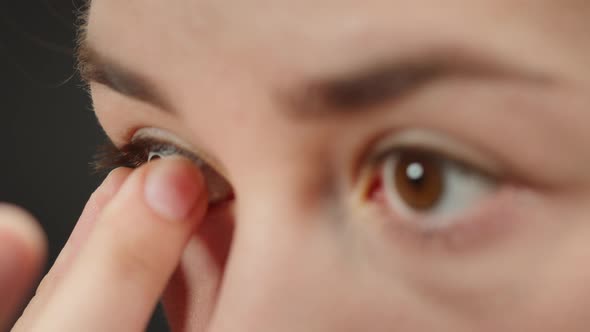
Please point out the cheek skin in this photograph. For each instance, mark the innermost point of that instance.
(192, 293)
(480, 229)
(559, 286)
(535, 262)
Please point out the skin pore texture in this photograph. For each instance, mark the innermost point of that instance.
(260, 91)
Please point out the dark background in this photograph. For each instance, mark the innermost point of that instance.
(48, 132)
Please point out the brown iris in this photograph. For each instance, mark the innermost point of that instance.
(419, 180)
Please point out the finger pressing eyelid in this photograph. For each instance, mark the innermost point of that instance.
(132, 252)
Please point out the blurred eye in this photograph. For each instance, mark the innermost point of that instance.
(415, 184)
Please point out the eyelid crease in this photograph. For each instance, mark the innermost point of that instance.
(437, 144)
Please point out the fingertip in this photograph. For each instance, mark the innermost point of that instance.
(115, 180)
(137, 243)
(175, 189)
(20, 228)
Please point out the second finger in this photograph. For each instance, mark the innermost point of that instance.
(51, 280)
(115, 283)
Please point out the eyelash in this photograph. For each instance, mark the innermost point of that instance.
(132, 155)
(139, 151)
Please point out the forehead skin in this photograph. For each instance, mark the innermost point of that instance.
(257, 45)
(219, 61)
(334, 34)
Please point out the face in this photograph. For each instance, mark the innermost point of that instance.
(372, 165)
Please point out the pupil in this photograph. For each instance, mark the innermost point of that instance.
(419, 180)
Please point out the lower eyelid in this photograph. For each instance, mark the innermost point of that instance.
(482, 226)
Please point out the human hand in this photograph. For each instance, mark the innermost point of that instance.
(122, 252)
(22, 252)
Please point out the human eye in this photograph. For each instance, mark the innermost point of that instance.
(150, 144)
(431, 183)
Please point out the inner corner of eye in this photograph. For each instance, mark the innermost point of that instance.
(373, 186)
(371, 182)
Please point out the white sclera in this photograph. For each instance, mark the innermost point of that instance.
(462, 190)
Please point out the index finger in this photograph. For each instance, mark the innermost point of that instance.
(117, 279)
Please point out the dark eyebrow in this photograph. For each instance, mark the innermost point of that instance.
(93, 67)
(350, 92)
(381, 82)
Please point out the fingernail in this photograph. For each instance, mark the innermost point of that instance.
(172, 189)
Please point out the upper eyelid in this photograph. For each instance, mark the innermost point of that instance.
(217, 185)
(448, 158)
(438, 144)
(160, 136)
(156, 144)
